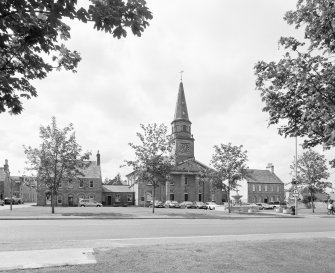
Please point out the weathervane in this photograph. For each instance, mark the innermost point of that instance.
(181, 75)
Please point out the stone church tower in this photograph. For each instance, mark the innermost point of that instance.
(181, 130)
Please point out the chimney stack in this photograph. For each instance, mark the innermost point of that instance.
(98, 158)
(271, 167)
(6, 167)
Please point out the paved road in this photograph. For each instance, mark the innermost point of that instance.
(45, 234)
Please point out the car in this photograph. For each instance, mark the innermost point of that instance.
(89, 203)
(199, 205)
(158, 204)
(2, 202)
(211, 205)
(263, 206)
(15, 200)
(186, 205)
(172, 204)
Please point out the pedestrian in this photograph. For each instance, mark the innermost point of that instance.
(330, 207)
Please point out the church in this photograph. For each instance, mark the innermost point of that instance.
(184, 184)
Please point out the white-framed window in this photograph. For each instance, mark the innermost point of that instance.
(253, 187)
(91, 184)
(266, 187)
(117, 197)
(81, 183)
(129, 197)
(91, 196)
(259, 187)
(59, 199)
(277, 188)
(70, 184)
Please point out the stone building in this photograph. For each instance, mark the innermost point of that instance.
(85, 186)
(261, 186)
(185, 184)
(117, 195)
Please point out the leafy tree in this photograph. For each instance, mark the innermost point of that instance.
(229, 163)
(115, 181)
(311, 172)
(154, 159)
(299, 89)
(57, 158)
(31, 33)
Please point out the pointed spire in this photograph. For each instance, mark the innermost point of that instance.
(181, 108)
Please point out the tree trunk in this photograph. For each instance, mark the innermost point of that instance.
(229, 209)
(52, 202)
(312, 202)
(153, 198)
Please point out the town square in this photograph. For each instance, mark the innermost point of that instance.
(167, 136)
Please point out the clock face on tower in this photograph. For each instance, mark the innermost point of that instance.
(184, 148)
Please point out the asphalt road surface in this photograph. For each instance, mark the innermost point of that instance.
(100, 233)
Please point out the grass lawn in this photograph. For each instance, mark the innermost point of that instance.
(314, 255)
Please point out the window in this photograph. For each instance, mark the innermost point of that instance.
(91, 184)
(184, 128)
(81, 184)
(142, 198)
(266, 187)
(59, 199)
(60, 185)
(130, 197)
(277, 198)
(200, 197)
(253, 187)
(91, 197)
(172, 196)
(259, 187)
(185, 180)
(185, 196)
(255, 199)
(70, 184)
(277, 188)
(117, 197)
(272, 188)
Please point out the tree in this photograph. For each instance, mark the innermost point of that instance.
(229, 163)
(115, 181)
(57, 158)
(31, 33)
(311, 171)
(154, 159)
(299, 89)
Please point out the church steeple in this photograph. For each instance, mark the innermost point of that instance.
(181, 129)
(181, 107)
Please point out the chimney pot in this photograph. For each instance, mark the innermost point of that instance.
(271, 167)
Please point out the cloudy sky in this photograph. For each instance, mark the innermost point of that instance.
(123, 83)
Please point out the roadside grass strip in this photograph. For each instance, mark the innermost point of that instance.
(10, 260)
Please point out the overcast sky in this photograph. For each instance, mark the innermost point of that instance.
(122, 83)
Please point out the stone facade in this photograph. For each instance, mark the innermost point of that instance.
(261, 186)
(86, 186)
(117, 196)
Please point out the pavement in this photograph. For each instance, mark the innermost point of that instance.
(45, 258)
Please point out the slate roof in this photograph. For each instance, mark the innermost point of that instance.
(116, 188)
(189, 165)
(92, 170)
(181, 112)
(262, 176)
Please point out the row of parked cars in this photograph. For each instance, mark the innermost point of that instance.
(15, 201)
(185, 205)
(272, 205)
